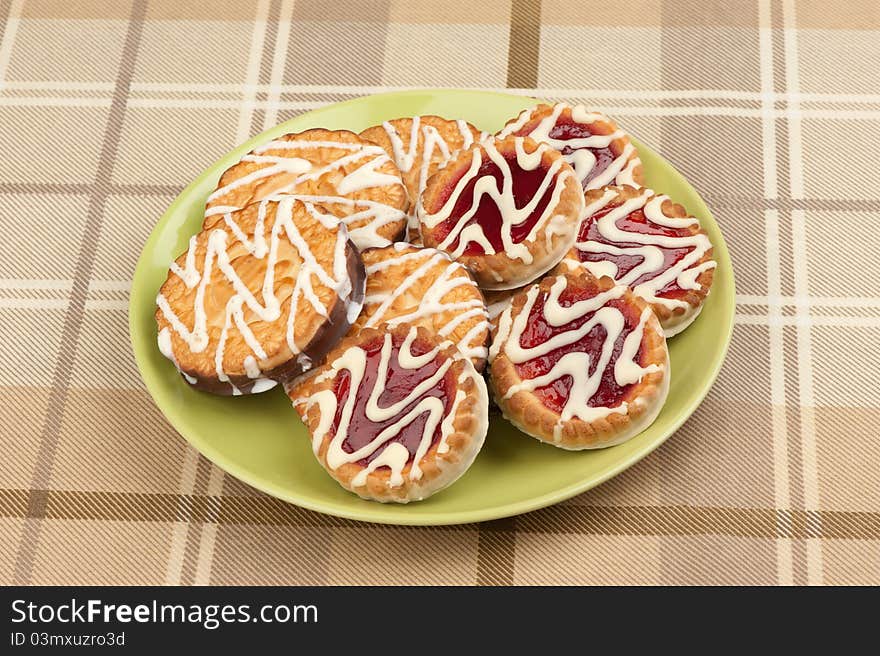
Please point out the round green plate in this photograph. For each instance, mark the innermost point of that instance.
(260, 439)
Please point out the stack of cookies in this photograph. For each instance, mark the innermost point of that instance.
(381, 278)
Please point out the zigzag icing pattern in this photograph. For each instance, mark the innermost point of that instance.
(649, 277)
(416, 402)
(585, 315)
(470, 345)
(405, 157)
(197, 338)
(619, 171)
(511, 215)
(365, 176)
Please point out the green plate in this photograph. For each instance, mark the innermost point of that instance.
(260, 439)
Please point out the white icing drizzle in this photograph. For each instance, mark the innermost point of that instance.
(648, 247)
(619, 171)
(433, 144)
(472, 344)
(393, 455)
(196, 339)
(375, 214)
(365, 176)
(496, 308)
(576, 364)
(511, 215)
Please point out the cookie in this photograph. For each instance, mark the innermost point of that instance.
(645, 241)
(507, 209)
(499, 300)
(260, 297)
(299, 390)
(419, 146)
(425, 287)
(600, 152)
(350, 177)
(419, 286)
(579, 362)
(395, 415)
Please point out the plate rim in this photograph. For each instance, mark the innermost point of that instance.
(384, 514)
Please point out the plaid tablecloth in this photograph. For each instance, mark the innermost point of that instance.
(772, 110)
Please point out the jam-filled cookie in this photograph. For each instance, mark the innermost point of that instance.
(351, 177)
(418, 286)
(396, 415)
(579, 362)
(645, 241)
(600, 152)
(259, 297)
(419, 146)
(425, 287)
(506, 208)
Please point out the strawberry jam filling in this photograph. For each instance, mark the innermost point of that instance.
(538, 331)
(399, 384)
(635, 222)
(565, 129)
(525, 187)
(568, 130)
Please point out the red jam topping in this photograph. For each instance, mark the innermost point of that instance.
(635, 222)
(538, 331)
(400, 382)
(488, 216)
(567, 130)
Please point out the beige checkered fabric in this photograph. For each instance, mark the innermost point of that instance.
(772, 110)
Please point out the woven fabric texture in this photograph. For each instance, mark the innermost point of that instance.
(772, 111)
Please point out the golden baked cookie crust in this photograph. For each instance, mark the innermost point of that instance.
(419, 146)
(623, 225)
(600, 152)
(259, 296)
(598, 336)
(498, 300)
(354, 179)
(425, 287)
(379, 384)
(507, 209)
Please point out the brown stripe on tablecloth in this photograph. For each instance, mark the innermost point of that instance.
(849, 525)
(265, 510)
(14, 503)
(75, 308)
(670, 520)
(524, 44)
(496, 552)
(653, 520)
(36, 505)
(128, 506)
